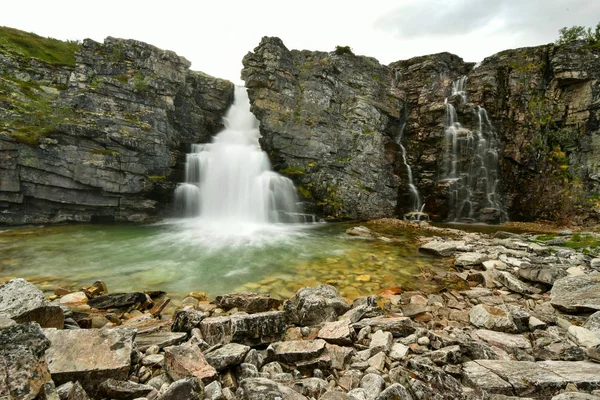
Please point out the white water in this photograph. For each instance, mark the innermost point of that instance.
(416, 206)
(229, 185)
(471, 163)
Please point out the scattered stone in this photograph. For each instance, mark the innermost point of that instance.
(593, 323)
(446, 355)
(442, 248)
(23, 368)
(248, 302)
(23, 302)
(380, 342)
(398, 326)
(227, 356)
(373, 384)
(296, 350)
(337, 332)
(185, 361)
(311, 387)
(315, 305)
(398, 351)
(535, 323)
(546, 274)
(72, 391)
(161, 339)
(89, 356)
(186, 319)
(505, 341)
(470, 259)
(262, 389)
(576, 294)
(582, 336)
(509, 281)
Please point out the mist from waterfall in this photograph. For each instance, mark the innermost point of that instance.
(229, 184)
(471, 162)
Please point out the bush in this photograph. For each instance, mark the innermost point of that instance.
(339, 50)
(578, 32)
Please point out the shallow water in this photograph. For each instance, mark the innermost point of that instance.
(180, 256)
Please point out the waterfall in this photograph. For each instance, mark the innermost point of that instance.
(416, 210)
(230, 180)
(470, 162)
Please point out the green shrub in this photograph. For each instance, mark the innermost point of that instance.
(578, 32)
(340, 50)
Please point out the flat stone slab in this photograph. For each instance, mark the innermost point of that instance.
(442, 248)
(526, 378)
(505, 341)
(117, 300)
(23, 302)
(576, 294)
(296, 350)
(160, 339)
(337, 332)
(470, 259)
(90, 356)
(227, 356)
(249, 302)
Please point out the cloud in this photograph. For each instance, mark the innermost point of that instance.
(539, 19)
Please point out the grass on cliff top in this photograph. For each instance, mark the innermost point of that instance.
(30, 45)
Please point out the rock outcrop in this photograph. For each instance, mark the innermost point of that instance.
(332, 122)
(101, 139)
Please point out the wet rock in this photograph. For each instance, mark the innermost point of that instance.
(576, 294)
(315, 305)
(190, 388)
(72, 391)
(23, 368)
(442, 248)
(491, 317)
(296, 350)
(337, 332)
(248, 302)
(100, 355)
(186, 361)
(250, 330)
(227, 356)
(265, 389)
(186, 319)
(124, 390)
(23, 302)
(117, 300)
(547, 274)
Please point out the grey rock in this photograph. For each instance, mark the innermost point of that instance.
(23, 302)
(250, 330)
(576, 294)
(446, 355)
(470, 259)
(158, 381)
(23, 368)
(248, 302)
(505, 341)
(314, 305)
(265, 389)
(442, 248)
(311, 387)
(190, 388)
(393, 392)
(186, 361)
(226, 356)
(186, 319)
(398, 351)
(117, 300)
(381, 341)
(102, 354)
(547, 274)
(582, 336)
(296, 350)
(124, 390)
(373, 385)
(492, 318)
(574, 396)
(213, 391)
(246, 370)
(398, 326)
(72, 391)
(513, 284)
(160, 339)
(337, 332)
(593, 323)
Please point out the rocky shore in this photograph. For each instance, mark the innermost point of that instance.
(526, 325)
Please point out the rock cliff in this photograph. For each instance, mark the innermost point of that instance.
(98, 138)
(332, 122)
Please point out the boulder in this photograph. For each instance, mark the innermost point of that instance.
(190, 388)
(117, 300)
(293, 351)
(398, 326)
(576, 294)
(90, 356)
(492, 318)
(248, 302)
(470, 259)
(315, 305)
(186, 361)
(513, 284)
(250, 330)
(265, 389)
(186, 319)
(546, 274)
(23, 367)
(227, 356)
(23, 302)
(124, 390)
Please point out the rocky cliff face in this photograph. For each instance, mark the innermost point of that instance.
(100, 140)
(331, 121)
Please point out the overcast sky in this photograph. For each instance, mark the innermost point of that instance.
(215, 35)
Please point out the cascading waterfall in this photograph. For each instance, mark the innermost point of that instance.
(471, 163)
(416, 210)
(230, 180)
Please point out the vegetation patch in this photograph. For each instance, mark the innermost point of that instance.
(105, 152)
(546, 237)
(292, 170)
(29, 45)
(579, 241)
(341, 50)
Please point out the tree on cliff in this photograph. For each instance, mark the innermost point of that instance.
(578, 32)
